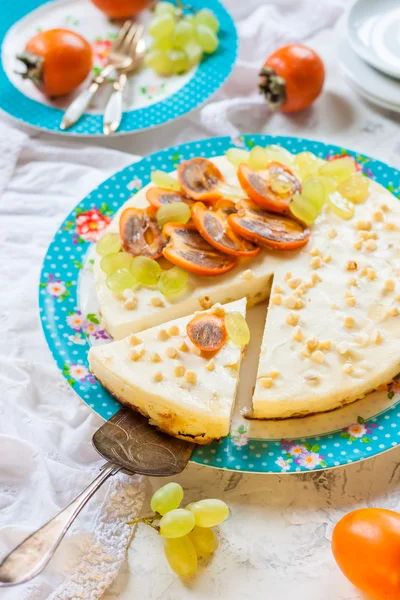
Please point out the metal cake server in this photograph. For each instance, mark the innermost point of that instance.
(129, 444)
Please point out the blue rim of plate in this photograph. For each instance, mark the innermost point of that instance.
(207, 79)
(68, 332)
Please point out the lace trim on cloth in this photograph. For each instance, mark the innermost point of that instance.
(102, 557)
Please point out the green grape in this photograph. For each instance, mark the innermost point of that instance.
(329, 184)
(164, 44)
(190, 19)
(158, 60)
(258, 158)
(303, 209)
(173, 282)
(209, 513)
(176, 523)
(237, 156)
(179, 61)
(166, 498)
(194, 52)
(204, 540)
(183, 34)
(181, 556)
(206, 17)
(340, 206)
(307, 164)
(314, 191)
(115, 261)
(175, 212)
(162, 26)
(279, 154)
(121, 280)
(163, 8)
(108, 244)
(206, 38)
(339, 168)
(164, 180)
(237, 329)
(355, 189)
(145, 270)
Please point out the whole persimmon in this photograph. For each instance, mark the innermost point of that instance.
(292, 78)
(57, 61)
(366, 546)
(121, 9)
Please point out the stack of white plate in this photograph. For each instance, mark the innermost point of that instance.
(369, 51)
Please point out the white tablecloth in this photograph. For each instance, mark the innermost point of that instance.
(277, 540)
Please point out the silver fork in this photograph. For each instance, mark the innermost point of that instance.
(118, 58)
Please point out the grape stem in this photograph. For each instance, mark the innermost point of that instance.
(182, 6)
(148, 520)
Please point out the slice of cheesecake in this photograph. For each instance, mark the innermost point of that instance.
(161, 374)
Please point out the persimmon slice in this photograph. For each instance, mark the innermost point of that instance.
(200, 178)
(140, 234)
(207, 332)
(157, 197)
(187, 249)
(271, 188)
(213, 226)
(268, 229)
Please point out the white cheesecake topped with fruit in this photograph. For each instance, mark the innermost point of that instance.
(320, 233)
(165, 373)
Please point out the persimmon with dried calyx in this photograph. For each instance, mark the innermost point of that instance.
(207, 331)
(140, 234)
(292, 78)
(188, 250)
(268, 229)
(121, 9)
(57, 61)
(213, 226)
(201, 180)
(271, 188)
(157, 197)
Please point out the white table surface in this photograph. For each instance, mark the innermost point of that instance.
(276, 544)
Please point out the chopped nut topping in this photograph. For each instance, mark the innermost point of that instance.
(315, 252)
(348, 368)
(334, 307)
(248, 274)
(292, 319)
(315, 278)
(385, 208)
(318, 357)
(389, 285)
(305, 352)
(155, 357)
(332, 234)
(357, 245)
(287, 275)
(311, 378)
(274, 374)
(393, 312)
(351, 301)
(157, 377)
(294, 282)
(372, 235)
(363, 235)
(171, 352)
(351, 265)
(377, 337)
(137, 354)
(343, 348)
(390, 227)
(299, 304)
(290, 302)
(191, 376)
(378, 216)
(371, 245)
(278, 289)
(174, 330)
(349, 322)
(266, 382)
(325, 345)
(179, 371)
(297, 334)
(327, 258)
(130, 299)
(210, 366)
(277, 299)
(312, 343)
(352, 281)
(184, 347)
(156, 301)
(316, 262)
(133, 340)
(163, 335)
(371, 274)
(363, 225)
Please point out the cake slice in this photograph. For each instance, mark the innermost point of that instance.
(164, 376)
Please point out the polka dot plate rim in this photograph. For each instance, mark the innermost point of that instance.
(69, 330)
(197, 88)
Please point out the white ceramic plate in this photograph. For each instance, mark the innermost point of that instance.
(373, 28)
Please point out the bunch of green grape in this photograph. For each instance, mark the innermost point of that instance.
(186, 531)
(179, 40)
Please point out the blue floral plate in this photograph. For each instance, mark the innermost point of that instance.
(150, 100)
(70, 323)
